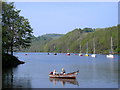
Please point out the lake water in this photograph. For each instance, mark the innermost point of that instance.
(99, 72)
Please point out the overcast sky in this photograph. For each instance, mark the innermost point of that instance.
(62, 17)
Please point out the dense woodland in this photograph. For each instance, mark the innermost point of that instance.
(71, 41)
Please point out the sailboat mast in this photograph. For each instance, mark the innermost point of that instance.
(87, 48)
(111, 45)
(94, 45)
(80, 48)
(54, 48)
(68, 50)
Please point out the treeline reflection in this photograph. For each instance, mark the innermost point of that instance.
(11, 81)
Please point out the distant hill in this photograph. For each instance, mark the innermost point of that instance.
(53, 36)
(70, 42)
(39, 42)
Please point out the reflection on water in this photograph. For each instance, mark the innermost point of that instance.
(64, 81)
(7, 78)
(10, 81)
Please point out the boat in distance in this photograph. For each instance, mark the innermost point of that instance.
(68, 54)
(80, 54)
(71, 75)
(93, 55)
(110, 56)
(86, 54)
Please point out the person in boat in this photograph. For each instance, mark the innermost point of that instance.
(51, 72)
(55, 72)
(63, 71)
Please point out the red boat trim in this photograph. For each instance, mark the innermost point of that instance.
(65, 77)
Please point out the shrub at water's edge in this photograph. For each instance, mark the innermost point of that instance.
(10, 61)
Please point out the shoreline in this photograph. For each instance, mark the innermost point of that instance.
(69, 52)
(9, 61)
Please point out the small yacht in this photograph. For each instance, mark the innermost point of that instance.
(68, 54)
(110, 56)
(111, 53)
(93, 55)
(86, 54)
(80, 54)
(87, 50)
(55, 53)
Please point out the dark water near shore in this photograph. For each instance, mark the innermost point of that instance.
(99, 72)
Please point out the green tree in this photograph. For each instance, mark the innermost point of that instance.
(88, 29)
(16, 30)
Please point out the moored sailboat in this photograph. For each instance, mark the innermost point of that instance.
(111, 53)
(110, 56)
(80, 54)
(93, 55)
(68, 54)
(87, 50)
(86, 54)
(55, 53)
(55, 49)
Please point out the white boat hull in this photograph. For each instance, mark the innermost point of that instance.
(80, 54)
(110, 56)
(68, 54)
(93, 55)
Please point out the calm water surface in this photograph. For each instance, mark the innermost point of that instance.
(99, 72)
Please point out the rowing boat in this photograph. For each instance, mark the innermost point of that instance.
(65, 75)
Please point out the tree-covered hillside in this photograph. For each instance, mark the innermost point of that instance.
(71, 41)
(38, 43)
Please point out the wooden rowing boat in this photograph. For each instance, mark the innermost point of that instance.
(65, 76)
